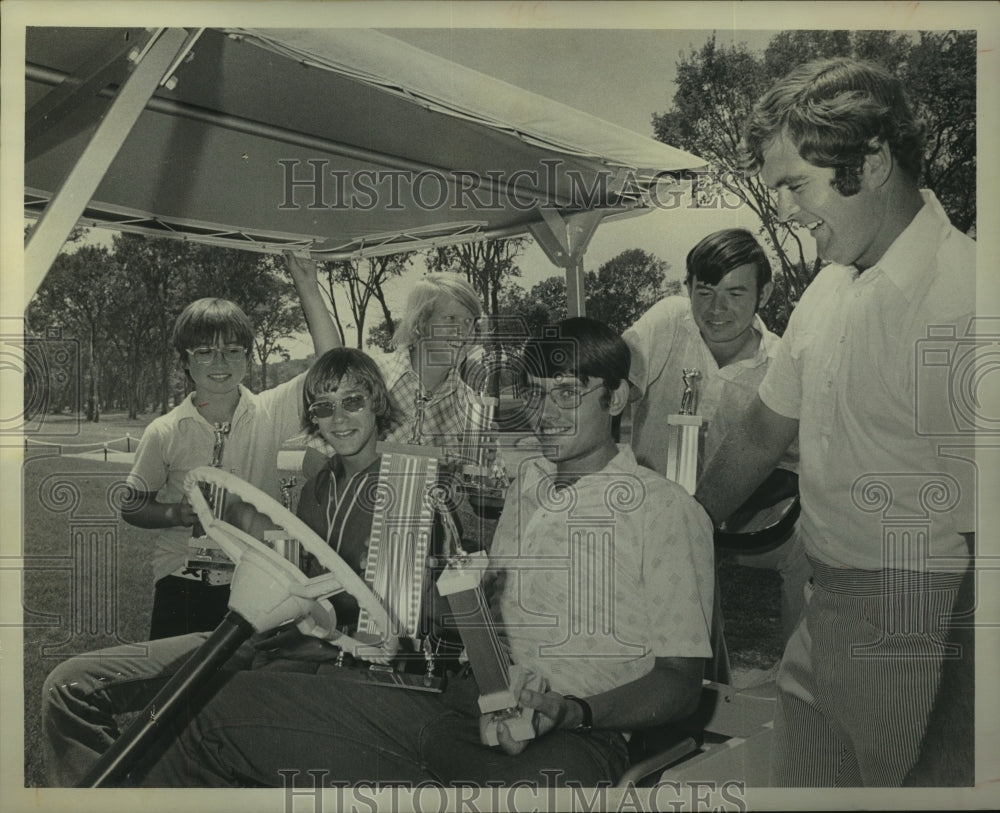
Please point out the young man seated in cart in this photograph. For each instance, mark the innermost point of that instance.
(602, 577)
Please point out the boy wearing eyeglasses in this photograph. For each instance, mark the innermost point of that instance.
(221, 423)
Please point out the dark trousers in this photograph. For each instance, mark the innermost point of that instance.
(181, 606)
(317, 724)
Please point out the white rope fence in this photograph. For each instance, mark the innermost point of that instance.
(81, 448)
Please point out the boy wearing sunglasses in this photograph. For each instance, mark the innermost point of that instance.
(220, 423)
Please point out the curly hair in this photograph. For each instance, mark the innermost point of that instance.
(836, 112)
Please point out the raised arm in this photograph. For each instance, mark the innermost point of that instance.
(749, 452)
(324, 333)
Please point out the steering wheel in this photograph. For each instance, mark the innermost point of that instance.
(267, 589)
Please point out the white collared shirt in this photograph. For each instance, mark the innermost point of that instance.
(864, 366)
(664, 342)
(182, 440)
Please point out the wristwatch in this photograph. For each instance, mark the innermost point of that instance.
(587, 724)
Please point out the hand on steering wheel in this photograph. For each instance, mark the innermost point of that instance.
(268, 590)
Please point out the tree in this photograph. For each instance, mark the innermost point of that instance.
(380, 336)
(78, 294)
(718, 85)
(515, 301)
(488, 265)
(161, 278)
(618, 293)
(154, 289)
(362, 280)
(624, 288)
(121, 305)
(276, 318)
(941, 77)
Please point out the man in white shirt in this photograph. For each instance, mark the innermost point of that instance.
(716, 330)
(887, 511)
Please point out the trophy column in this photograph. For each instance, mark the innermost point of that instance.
(682, 443)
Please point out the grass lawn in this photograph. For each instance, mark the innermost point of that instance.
(88, 577)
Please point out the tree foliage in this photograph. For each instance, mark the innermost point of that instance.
(488, 265)
(119, 305)
(618, 293)
(717, 86)
(76, 300)
(624, 288)
(362, 280)
(380, 337)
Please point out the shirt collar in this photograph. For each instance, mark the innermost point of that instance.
(765, 350)
(188, 411)
(397, 364)
(624, 462)
(913, 252)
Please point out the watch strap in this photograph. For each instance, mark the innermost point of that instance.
(587, 724)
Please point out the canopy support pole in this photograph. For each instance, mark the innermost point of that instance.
(564, 239)
(62, 214)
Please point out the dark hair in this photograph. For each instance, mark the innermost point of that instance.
(205, 319)
(722, 251)
(582, 347)
(837, 112)
(326, 373)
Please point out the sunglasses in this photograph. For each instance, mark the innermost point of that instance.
(326, 407)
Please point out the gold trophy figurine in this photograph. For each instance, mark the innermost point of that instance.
(682, 451)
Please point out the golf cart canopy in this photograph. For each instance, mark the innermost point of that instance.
(336, 142)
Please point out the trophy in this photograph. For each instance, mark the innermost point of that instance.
(288, 547)
(682, 439)
(206, 557)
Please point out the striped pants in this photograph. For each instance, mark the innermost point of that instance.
(858, 677)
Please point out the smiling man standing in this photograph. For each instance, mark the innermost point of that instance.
(838, 143)
(715, 329)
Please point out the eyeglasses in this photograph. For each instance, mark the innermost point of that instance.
(326, 407)
(451, 327)
(205, 355)
(564, 397)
